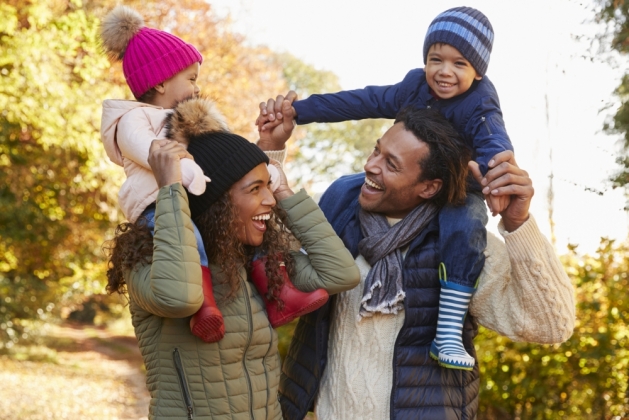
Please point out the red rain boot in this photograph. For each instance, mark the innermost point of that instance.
(296, 302)
(207, 323)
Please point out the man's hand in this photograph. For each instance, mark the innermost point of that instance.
(164, 160)
(274, 134)
(506, 179)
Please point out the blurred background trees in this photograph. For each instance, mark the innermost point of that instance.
(584, 378)
(57, 186)
(58, 192)
(56, 189)
(614, 14)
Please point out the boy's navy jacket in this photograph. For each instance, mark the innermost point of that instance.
(475, 114)
(421, 389)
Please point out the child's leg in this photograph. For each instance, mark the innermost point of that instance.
(296, 302)
(462, 240)
(207, 323)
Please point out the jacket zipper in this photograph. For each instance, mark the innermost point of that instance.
(484, 120)
(244, 354)
(182, 382)
(266, 373)
(395, 348)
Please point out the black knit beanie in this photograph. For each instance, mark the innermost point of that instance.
(224, 157)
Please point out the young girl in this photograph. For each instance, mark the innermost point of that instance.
(162, 70)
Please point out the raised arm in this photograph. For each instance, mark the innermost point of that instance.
(523, 293)
(358, 104)
(171, 285)
(323, 262)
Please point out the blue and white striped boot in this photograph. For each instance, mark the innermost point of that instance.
(447, 346)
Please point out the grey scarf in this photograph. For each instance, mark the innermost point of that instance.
(381, 248)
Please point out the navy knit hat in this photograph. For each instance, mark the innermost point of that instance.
(466, 29)
(224, 157)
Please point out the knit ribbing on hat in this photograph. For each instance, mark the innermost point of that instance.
(466, 29)
(154, 56)
(225, 158)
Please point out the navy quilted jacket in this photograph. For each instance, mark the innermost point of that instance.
(421, 388)
(476, 114)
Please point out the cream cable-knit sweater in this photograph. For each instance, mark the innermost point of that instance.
(523, 293)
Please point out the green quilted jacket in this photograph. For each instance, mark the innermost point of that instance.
(237, 377)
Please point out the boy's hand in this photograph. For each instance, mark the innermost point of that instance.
(271, 110)
(505, 178)
(497, 203)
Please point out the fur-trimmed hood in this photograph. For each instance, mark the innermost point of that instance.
(192, 117)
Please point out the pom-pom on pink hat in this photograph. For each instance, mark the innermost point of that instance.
(149, 56)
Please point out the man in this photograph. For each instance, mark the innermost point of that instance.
(365, 355)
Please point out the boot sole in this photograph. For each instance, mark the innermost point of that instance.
(448, 365)
(209, 329)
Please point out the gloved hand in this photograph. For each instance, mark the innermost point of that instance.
(192, 177)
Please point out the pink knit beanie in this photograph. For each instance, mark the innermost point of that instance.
(149, 56)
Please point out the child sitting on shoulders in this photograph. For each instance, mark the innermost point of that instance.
(456, 55)
(162, 70)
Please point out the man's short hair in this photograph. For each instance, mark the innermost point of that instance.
(448, 155)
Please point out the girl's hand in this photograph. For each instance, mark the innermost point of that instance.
(164, 160)
(283, 190)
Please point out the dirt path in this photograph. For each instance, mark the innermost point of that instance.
(83, 373)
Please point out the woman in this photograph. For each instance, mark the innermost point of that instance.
(241, 228)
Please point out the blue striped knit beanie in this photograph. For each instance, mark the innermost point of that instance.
(466, 29)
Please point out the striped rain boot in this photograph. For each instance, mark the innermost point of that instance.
(447, 347)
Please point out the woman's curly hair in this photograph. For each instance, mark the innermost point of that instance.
(133, 245)
(218, 226)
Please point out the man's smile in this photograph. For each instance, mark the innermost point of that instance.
(372, 184)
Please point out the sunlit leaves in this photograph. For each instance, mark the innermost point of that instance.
(589, 371)
(56, 191)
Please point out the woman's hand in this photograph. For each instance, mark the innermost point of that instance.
(276, 122)
(164, 160)
(505, 178)
(283, 190)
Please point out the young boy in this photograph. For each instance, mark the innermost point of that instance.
(456, 54)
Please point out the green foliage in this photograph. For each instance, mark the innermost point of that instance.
(615, 15)
(55, 187)
(58, 193)
(584, 378)
(58, 190)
